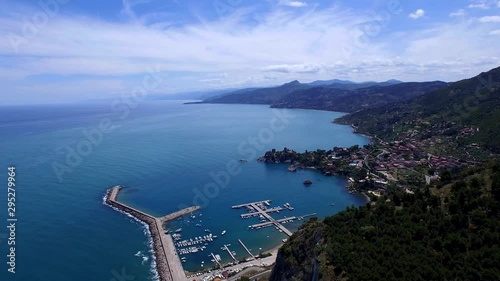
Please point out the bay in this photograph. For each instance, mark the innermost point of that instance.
(168, 155)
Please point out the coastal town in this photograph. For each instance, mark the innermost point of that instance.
(407, 163)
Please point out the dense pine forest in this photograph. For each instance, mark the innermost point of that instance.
(448, 231)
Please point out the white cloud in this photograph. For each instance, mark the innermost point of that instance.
(291, 3)
(97, 57)
(457, 13)
(417, 14)
(494, 32)
(489, 19)
(294, 68)
(481, 6)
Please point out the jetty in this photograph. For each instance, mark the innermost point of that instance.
(253, 214)
(168, 263)
(246, 204)
(216, 260)
(246, 249)
(229, 251)
(258, 209)
(269, 223)
(179, 213)
(284, 220)
(271, 219)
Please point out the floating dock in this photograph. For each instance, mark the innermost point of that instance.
(168, 264)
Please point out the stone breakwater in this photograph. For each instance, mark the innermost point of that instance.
(168, 265)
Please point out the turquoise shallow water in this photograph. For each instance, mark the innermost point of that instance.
(166, 154)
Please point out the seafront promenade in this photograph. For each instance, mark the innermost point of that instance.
(168, 264)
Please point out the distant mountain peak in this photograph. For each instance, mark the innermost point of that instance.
(394, 81)
(292, 83)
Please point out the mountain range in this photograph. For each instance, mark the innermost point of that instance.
(334, 95)
(473, 102)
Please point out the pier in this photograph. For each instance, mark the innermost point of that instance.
(215, 260)
(246, 249)
(168, 264)
(271, 210)
(269, 223)
(229, 251)
(271, 219)
(256, 210)
(180, 213)
(244, 205)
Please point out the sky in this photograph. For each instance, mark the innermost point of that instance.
(76, 50)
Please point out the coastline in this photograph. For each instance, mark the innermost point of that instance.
(147, 231)
(162, 269)
(159, 265)
(152, 235)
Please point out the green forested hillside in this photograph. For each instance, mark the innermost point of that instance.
(346, 97)
(258, 96)
(404, 236)
(473, 103)
(352, 100)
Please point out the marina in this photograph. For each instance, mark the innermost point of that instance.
(172, 248)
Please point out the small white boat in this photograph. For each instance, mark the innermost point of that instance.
(223, 232)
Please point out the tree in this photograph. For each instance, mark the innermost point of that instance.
(495, 186)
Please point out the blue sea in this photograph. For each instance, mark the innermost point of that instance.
(168, 156)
